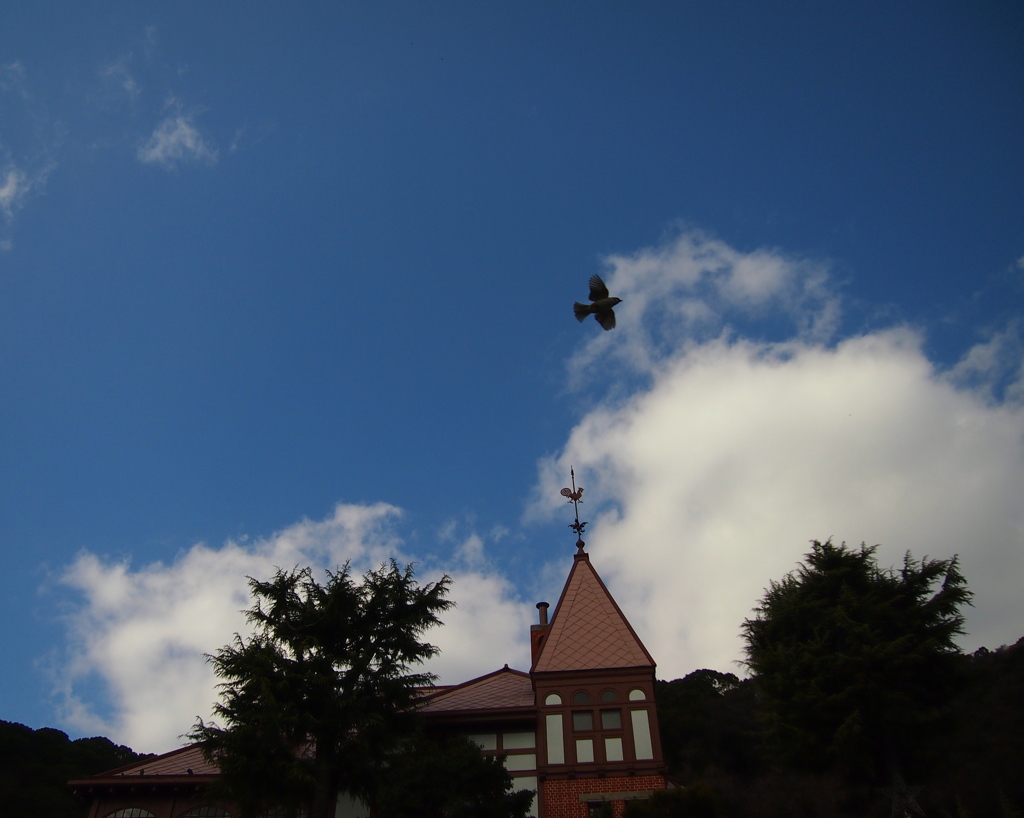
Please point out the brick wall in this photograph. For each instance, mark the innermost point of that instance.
(562, 795)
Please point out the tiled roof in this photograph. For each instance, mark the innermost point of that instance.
(588, 631)
(176, 762)
(505, 688)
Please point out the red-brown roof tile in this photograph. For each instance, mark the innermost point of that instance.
(505, 688)
(176, 762)
(588, 631)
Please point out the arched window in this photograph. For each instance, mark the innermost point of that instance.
(609, 696)
(552, 699)
(131, 812)
(581, 698)
(206, 812)
(637, 695)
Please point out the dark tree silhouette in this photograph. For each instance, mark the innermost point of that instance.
(448, 777)
(853, 662)
(706, 722)
(319, 698)
(36, 765)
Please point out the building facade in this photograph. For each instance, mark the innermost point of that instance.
(580, 728)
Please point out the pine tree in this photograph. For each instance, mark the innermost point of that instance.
(853, 662)
(322, 693)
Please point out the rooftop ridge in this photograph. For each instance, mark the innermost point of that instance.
(432, 693)
(164, 764)
(506, 688)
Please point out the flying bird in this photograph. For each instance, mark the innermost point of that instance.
(601, 308)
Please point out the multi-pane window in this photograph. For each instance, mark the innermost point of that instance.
(613, 749)
(601, 733)
(608, 720)
(583, 720)
(511, 744)
(642, 734)
(485, 741)
(584, 750)
(553, 729)
(519, 741)
(611, 719)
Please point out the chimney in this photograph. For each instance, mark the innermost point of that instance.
(538, 632)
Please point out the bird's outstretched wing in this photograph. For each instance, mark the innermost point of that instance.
(598, 290)
(606, 318)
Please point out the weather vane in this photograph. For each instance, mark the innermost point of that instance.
(574, 496)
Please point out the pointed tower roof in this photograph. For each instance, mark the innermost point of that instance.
(588, 631)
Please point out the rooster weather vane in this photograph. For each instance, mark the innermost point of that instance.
(575, 496)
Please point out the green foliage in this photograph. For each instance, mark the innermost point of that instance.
(319, 697)
(696, 800)
(977, 763)
(706, 721)
(448, 778)
(36, 765)
(853, 662)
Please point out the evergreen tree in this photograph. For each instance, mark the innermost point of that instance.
(319, 698)
(853, 662)
(977, 763)
(448, 778)
(707, 722)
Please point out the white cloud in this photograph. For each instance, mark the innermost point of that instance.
(488, 628)
(696, 287)
(142, 632)
(119, 77)
(176, 140)
(25, 169)
(994, 369)
(12, 78)
(709, 480)
(14, 186)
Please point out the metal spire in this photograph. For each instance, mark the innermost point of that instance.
(575, 497)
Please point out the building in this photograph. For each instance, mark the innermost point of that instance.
(581, 728)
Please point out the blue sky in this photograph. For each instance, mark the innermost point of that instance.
(285, 285)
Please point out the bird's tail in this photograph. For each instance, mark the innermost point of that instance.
(581, 311)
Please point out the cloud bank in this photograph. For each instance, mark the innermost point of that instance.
(756, 429)
(139, 634)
